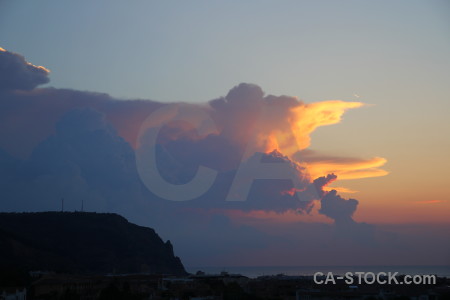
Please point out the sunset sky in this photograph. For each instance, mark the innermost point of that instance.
(370, 79)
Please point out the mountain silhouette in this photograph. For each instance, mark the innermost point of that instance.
(81, 242)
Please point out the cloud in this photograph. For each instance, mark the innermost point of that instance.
(342, 190)
(430, 201)
(17, 74)
(344, 167)
(81, 146)
(85, 160)
(307, 118)
(333, 205)
(341, 211)
(266, 123)
(338, 208)
(29, 117)
(248, 124)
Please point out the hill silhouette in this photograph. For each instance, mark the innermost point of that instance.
(80, 242)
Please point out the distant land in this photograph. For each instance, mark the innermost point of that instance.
(84, 243)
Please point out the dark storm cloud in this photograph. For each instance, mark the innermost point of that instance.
(85, 160)
(48, 123)
(29, 117)
(339, 209)
(80, 146)
(17, 74)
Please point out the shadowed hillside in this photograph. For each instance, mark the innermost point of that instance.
(79, 242)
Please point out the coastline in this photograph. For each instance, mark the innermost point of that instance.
(256, 271)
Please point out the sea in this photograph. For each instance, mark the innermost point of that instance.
(254, 272)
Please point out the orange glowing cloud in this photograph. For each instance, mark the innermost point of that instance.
(430, 201)
(342, 190)
(304, 119)
(348, 168)
(287, 123)
(290, 133)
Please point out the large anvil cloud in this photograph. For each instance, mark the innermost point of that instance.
(81, 145)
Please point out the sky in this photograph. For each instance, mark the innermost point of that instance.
(388, 58)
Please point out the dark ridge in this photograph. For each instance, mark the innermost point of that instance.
(81, 242)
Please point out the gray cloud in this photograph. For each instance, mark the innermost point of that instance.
(337, 208)
(17, 74)
(79, 145)
(72, 127)
(28, 118)
(85, 160)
